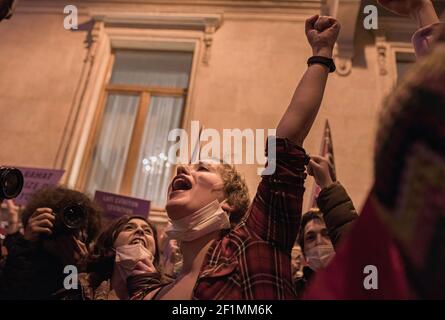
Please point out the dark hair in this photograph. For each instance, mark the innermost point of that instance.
(101, 261)
(57, 197)
(305, 219)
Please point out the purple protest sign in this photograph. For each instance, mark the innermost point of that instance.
(115, 205)
(36, 179)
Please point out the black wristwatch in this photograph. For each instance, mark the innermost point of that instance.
(328, 62)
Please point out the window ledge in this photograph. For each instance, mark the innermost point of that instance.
(181, 21)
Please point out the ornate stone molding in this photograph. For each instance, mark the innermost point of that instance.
(394, 36)
(251, 6)
(206, 23)
(197, 21)
(344, 65)
(382, 52)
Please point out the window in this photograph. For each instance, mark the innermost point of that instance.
(144, 100)
(404, 61)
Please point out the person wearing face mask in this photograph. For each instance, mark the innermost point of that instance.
(127, 242)
(229, 251)
(323, 228)
(316, 245)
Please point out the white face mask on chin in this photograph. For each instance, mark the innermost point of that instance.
(127, 256)
(319, 256)
(200, 223)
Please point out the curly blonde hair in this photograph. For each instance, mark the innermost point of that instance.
(236, 191)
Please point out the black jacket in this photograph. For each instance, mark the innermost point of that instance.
(338, 211)
(29, 272)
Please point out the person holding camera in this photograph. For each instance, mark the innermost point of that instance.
(59, 225)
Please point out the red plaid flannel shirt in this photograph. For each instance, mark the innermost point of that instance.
(252, 261)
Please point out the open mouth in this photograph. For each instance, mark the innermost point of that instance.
(181, 182)
(138, 240)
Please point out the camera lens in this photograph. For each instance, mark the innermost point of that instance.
(74, 216)
(11, 183)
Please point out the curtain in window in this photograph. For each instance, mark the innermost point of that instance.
(150, 69)
(153, 172)
(110, 152)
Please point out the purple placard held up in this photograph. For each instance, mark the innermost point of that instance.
(116, 206)
(36, 179)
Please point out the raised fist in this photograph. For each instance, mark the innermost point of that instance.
(322, 33)
(321, 169)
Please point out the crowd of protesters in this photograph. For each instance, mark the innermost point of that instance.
(219, 245)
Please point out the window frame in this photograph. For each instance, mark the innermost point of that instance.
(128, 38)
(398, 49)
(145, 93)
(387, 57)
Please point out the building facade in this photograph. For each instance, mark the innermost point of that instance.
(100, 100)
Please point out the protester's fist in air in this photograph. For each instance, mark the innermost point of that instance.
(41, 222)
(321, 169)
(403, 7)
(322, 33)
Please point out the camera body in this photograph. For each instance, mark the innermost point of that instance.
(11, 182)
(70, 220)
